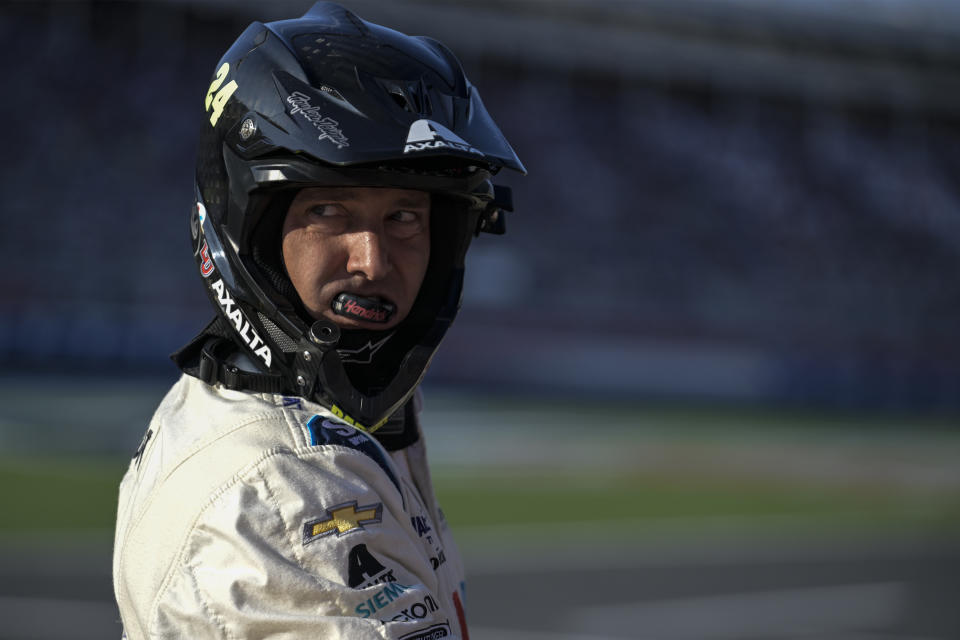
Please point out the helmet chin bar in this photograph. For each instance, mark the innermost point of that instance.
(320, 374)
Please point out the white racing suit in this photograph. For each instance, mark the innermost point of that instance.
(251, 515)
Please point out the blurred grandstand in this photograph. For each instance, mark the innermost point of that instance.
(731, 200)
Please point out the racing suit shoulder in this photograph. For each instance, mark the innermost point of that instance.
(276, 518)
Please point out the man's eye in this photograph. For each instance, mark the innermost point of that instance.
(404, 216)
(324, 210)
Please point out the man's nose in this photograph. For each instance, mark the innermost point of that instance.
(368, 255)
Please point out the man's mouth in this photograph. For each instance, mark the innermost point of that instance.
(368, 309)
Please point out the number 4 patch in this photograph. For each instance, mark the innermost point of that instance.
(218, 101)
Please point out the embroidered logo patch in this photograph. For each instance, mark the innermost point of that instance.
(342, 519)
(434, 632)
(326, 432)
(364, 570)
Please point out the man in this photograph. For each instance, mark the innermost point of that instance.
(281, 489)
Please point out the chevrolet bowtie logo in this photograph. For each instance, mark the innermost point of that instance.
(342, 519)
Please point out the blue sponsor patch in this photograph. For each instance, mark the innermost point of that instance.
(293, 402)
(324, 431)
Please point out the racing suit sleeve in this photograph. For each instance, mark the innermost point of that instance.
(320, 542)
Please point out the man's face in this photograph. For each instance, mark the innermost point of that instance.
(364, 241)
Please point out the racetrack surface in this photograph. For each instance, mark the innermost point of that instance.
(892, 590)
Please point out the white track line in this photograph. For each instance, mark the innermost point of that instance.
(818, 612)
(507, 549)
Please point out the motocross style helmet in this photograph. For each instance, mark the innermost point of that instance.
(329, 99)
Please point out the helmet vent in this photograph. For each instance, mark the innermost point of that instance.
(423, 98)
(285, 342)
(398, 96)
(411, 98)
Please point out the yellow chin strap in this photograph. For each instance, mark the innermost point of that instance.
(337, 411)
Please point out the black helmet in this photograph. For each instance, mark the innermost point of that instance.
(330, 99)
